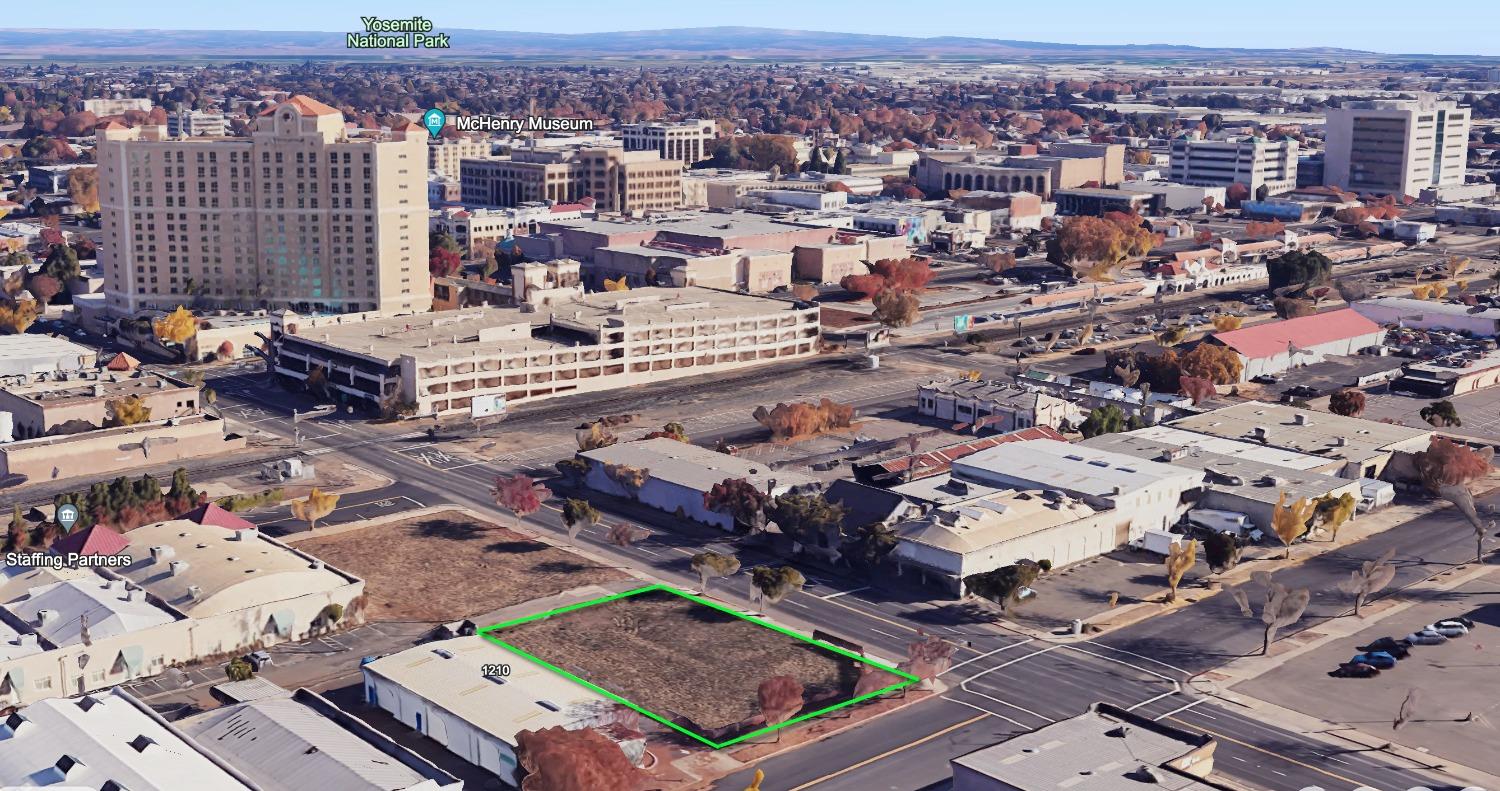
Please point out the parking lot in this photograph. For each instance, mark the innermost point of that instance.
(1479, 410)
(1456, 711)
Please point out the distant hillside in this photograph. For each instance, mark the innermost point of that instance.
(716, 43)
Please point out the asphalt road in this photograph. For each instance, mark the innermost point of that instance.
(1002, 683)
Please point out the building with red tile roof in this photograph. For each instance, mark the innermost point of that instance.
(94, 540)
(211, 514)
(934, 462)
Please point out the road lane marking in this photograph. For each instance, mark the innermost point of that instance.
(1149, 701)
(1179, 710)
(986, 711)
(989, 653)
(1263, 750)
(845, 593)
(862, 764)
(887, 634)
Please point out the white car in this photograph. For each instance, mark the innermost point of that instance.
(1426, 637)
(1447, 628)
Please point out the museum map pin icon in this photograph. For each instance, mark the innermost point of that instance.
(67, 515)
(434, 119)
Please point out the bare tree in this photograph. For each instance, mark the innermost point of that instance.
(1282, 608)
(1180, 557)
(1370, 578)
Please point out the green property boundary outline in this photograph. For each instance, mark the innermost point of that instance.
(907, 679)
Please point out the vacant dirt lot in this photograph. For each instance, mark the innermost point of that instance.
(449, 565)
(674, 656)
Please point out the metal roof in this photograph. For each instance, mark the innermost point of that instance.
(284, 745)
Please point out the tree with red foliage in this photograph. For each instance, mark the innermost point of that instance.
(741, 501)
(1203, 237)
(866, 286)
(558, 759)
(43, 287)
(1197, 388)
(1235, 194)
(519, 494)
(1446, 468)
(1347, 402)
(225, 350)
(839, 186)
(443, 263)
(779, 698)
(1264, 230)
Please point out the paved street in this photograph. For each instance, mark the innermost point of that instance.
(1001, 682)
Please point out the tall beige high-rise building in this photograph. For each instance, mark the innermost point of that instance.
(1396, 147)
(301, 214)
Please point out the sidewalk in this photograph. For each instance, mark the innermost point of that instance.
(1225, 681)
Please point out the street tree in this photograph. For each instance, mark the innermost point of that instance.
(1332, 512)
(1003, 586)
(1225, 322)
(1180, 557)
(1282, 606)
(808, 519)
(1446, 469)
(1197, 388)
(1290, 521)
(595, 435)
(239, 669)
(519, 494)
(317, 505)
(741, 501)
(710, 564)
(1370, 578)
(623, 534)
(578, 514)
(559, 759)
(870, 545)
(768, 586)
(928, 657)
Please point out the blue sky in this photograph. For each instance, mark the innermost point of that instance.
(1437, 26)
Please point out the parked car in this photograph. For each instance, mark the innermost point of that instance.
(1383, 278)
(1302, 391)
(1086, 350)
(1387, 644)
(1395, 649)
(1448, 628)
(1376, 659)
(1355, 670)
(1467, 624)
(1426, 637)
(1265, 379)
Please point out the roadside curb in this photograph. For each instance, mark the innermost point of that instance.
(1251, 667)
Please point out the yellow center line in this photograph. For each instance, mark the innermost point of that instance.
(929, 737)
(1288, 759)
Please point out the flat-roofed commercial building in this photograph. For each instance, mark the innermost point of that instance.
(110, 741)
(1364, 447)
(678, 141)
(50, 406)
(30, 353)
(1254, 162)
(478, 361)
(1104, 749)
(291, 741)
(301, 214)
(1396, 147)
(187, 591)
(445, 690)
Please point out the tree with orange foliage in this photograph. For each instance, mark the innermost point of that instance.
(1347, 402)
(1203, 237)
(1197, 388)
(803, 419)
(558, 759)
(906, 274)
(1264, 230)
(896, 308)
(1218, 364)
